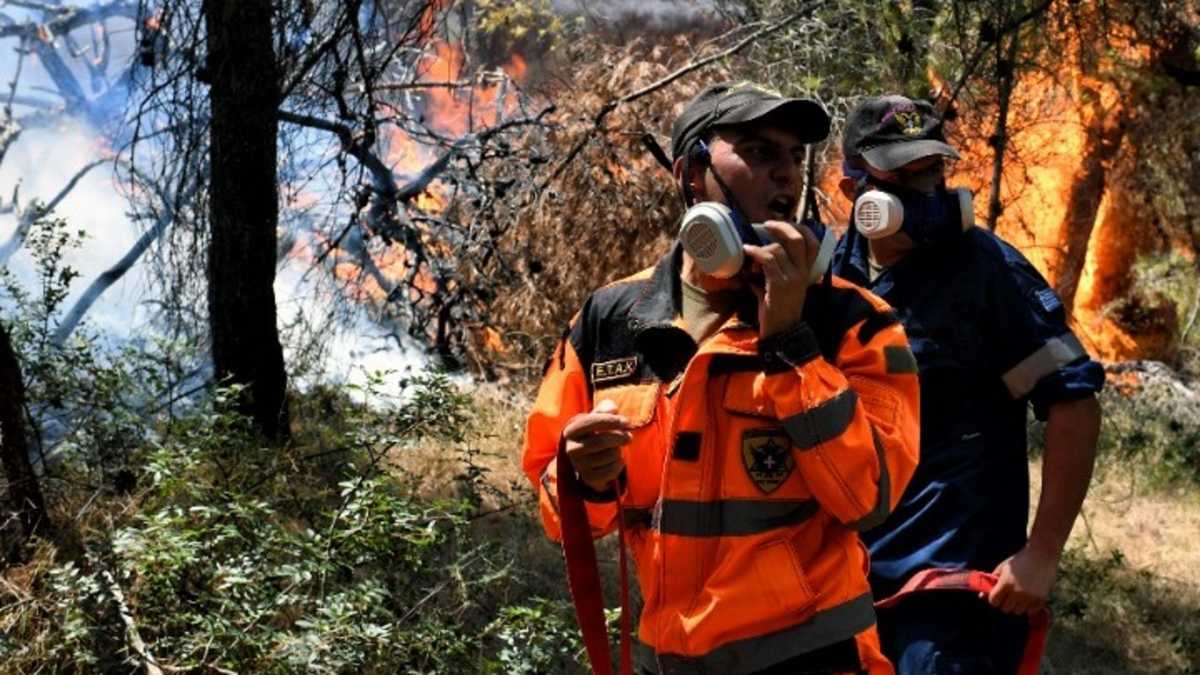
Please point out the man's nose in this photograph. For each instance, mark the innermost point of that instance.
(787, 171)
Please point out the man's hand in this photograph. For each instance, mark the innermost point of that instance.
(784, 265)
(1024, 582)
(594, 443)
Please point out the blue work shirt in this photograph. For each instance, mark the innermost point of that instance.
(990, 337)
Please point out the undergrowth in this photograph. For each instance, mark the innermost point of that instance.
(1113, 619)
(318, 557)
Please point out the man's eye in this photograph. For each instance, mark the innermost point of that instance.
(760, 152)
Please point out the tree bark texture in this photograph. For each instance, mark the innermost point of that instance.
(1006, 79)
(24, 495)
(1105, 132)
(244, 208)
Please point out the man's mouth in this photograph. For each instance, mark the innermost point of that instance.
(784, 208)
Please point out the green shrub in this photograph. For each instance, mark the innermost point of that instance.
(236, 555)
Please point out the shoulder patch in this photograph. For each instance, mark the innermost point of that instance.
(614, 370)
(899, 360)
(1049, 299)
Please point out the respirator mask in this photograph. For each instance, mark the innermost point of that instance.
(712, 233)
(924, 209)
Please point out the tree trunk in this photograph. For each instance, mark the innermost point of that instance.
(244, 208)
(1105, 131)
(24, 495)
(1006, 74)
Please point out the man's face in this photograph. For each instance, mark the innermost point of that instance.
(763, 167)
(923, 175)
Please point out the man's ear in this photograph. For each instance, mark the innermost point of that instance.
(696, 176)
(847, 186)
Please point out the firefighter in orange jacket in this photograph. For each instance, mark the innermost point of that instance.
(749, 426)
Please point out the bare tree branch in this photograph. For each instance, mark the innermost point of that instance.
(655, 86)
(166, 218)
(32, 213)
(132, 635)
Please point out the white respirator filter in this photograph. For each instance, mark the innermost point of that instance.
(710, 237)
(878, 214)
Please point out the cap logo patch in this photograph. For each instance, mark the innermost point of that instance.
(767, 455)
(910, 123)
(908, 118)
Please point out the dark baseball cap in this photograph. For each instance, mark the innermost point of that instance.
(891, 131)
(735, 103)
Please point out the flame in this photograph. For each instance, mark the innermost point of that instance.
(1064, 205)
(450, 111)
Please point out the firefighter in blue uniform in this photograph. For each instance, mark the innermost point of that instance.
(990, 337)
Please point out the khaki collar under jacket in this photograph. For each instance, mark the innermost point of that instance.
(753, 465)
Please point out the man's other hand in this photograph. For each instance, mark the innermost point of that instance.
(594, 442)
(784, 265)
(1024, 582)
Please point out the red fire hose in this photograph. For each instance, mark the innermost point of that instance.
(978, 582)
(583, 573)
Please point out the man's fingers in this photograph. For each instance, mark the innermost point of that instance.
(773, 259)
(582, 451)
(608, 472)
(1017, 603)
(586, 424)
(999, 594)
(769, 259)
(798, 241)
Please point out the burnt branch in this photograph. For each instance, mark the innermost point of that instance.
(692, 67)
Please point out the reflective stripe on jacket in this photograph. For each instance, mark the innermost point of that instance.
(752, 464)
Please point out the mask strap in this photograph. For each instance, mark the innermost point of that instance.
(687, 185)
(739, 219)
(859, 176)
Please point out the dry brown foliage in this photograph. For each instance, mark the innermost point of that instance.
(607, 214)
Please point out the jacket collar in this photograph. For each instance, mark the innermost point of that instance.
(661, 302)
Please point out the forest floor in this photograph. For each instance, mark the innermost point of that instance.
(1128, 595)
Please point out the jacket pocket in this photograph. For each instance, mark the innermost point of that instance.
(744, 395)
(637, 402)
(784, 586)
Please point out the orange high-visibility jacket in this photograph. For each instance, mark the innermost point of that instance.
(753, 464)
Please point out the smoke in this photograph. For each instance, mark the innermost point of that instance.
(44, 159)
(37, 168)
(651, 16)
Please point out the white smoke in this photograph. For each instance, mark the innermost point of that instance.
(41, 163)
(655, 15)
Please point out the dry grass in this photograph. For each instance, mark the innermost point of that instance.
(1128, 597)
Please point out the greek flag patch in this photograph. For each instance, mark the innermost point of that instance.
(1049, 299)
